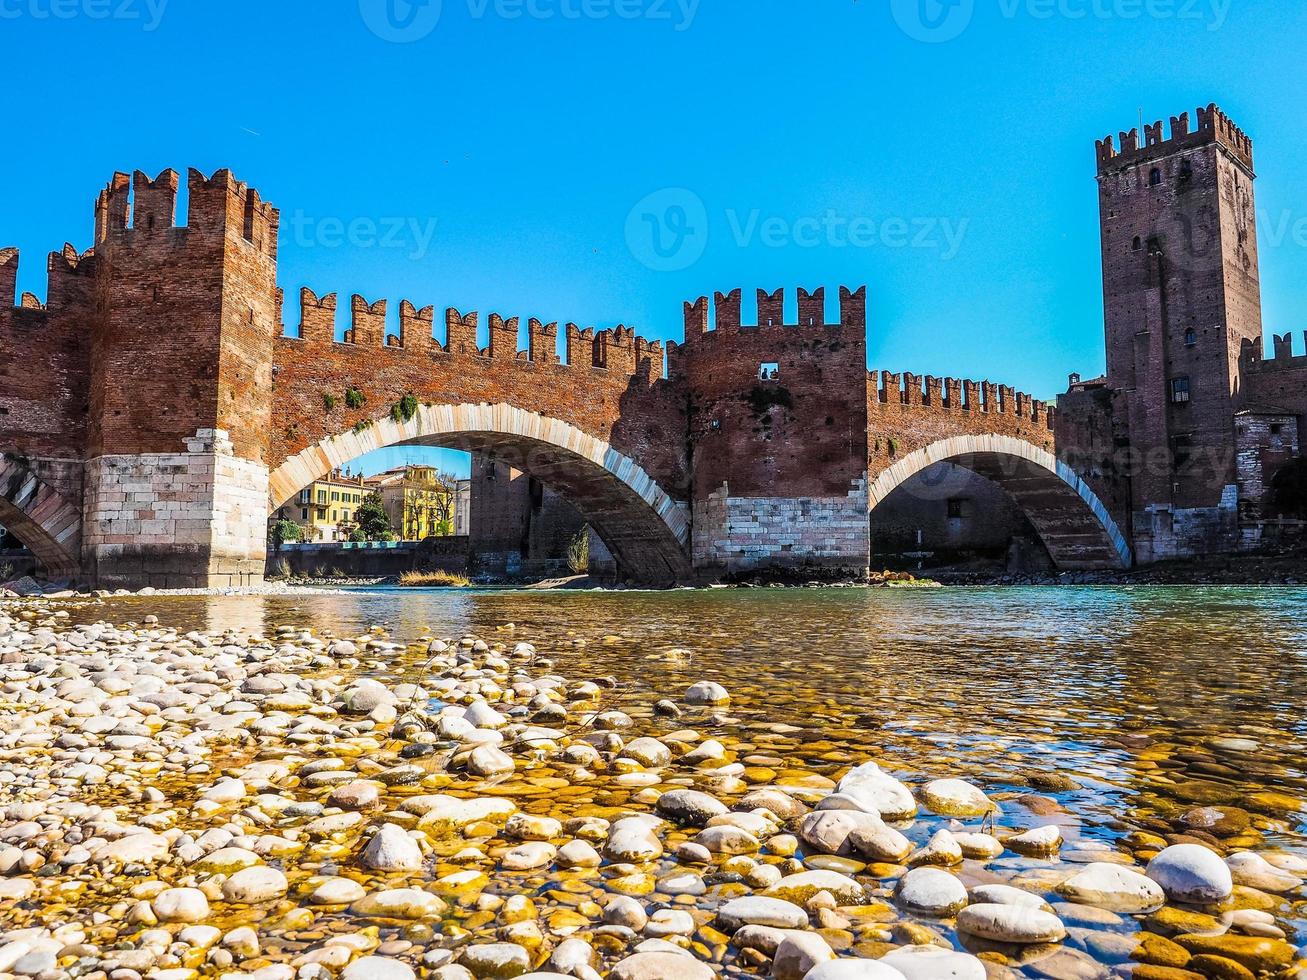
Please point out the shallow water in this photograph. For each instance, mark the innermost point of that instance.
(1124, 686)
(1154, 700)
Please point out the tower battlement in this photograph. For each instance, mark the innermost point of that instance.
(1214, 126)
(771, 312)
(140, 207)
(68, 274)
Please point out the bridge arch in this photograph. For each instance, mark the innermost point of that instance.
(49, 524)
(646, 530)
(1075, 527)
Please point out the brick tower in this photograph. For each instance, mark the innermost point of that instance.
(1181, 296)
(778, 425)
(176, 489)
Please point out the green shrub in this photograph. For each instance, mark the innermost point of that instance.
(578, 552)
(355, 398)
(404, 409)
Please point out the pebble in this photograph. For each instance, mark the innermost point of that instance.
(707, 692)
(181, 905)
(497, 790)
(1191, 874)
(760, 911)
(252, 886)
(931, 891)
(927, 962)
(1011, 924)
(392, 849)
(661, 966)
(955, 798)
(1112, 887)
(378, 968)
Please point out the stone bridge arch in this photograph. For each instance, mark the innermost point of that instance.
(647, 531)
(1075, 527)
(49, 524)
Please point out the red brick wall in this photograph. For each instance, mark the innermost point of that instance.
(801, 435)
(612, 389)
(1179, 254)
(45, 361)
(194, 305)
(1276, 385)
(1086, 441)
(906, 412)
(513, 513)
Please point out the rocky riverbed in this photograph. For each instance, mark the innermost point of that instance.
(178, 804)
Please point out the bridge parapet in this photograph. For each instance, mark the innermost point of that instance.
(959, 395)
(619, 351)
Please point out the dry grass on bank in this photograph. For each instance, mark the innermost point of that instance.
(450, 580)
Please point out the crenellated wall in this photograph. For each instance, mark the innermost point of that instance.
(907, 412)
(611, 384)
(1278, 384)
(159, 394)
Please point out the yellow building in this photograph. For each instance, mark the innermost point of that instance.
(418, 500)
(324, 509)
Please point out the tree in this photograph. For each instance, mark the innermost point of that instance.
(283, 532)
(444, 521)
(373, 521)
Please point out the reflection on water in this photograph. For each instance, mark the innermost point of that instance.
(1156, 699)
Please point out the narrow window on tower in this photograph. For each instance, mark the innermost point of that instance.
(769, 371)
(1191, 337)
(1137, 244)
(1155, 177)
(1179, 391)
(1181, 450)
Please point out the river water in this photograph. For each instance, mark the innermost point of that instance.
(1153, 701)
(1156, 698)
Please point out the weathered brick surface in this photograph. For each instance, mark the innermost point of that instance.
(1179, 255)
(612, 386)
(182, 339)
(745, 533)
(778, 426)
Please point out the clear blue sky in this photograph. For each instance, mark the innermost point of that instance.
(503, 157)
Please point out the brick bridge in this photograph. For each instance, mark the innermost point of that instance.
(155, 409)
